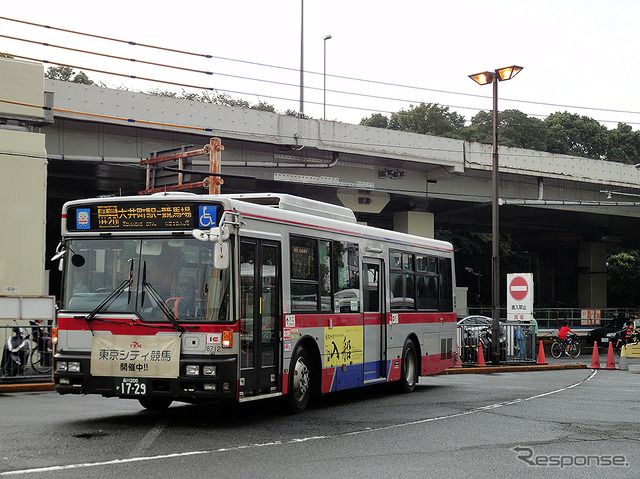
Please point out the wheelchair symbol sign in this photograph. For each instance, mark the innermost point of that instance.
(207, 216)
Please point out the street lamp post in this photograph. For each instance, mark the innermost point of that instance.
(301, 112)
(484, 78)
(324, 75)
(478, 276)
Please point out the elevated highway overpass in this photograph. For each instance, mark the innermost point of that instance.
(554, 206)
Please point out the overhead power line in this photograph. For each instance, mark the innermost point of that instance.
(208, 56)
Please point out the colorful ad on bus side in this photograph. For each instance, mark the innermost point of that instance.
(343, 345)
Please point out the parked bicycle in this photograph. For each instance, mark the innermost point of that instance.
(559, 347)
(41, 351)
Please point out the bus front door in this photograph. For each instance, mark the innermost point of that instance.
(260, 309)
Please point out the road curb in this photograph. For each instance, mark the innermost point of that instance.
(26, 387)
(512, 369)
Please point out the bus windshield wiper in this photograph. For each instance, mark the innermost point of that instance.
(157, 298)
(113, 295)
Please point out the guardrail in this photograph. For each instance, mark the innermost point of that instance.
(27, 352)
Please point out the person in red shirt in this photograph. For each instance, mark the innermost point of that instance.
(563, 334)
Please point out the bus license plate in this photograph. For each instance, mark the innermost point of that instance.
(131, 386)
(604, 340)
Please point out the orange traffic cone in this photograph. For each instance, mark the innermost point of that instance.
(595, 357)
(611, 362)
(457, 363)
(541, 358)
(480, 361)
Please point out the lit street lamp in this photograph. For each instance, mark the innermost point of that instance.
(324, 103)
(485, 78)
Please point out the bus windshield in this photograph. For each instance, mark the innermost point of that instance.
(162, 277)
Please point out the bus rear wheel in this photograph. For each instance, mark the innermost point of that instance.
(155, 404)
(299, 380)
(409, 368)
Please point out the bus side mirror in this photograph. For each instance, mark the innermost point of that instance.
(221, 255)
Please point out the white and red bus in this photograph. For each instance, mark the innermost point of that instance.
(182, 297)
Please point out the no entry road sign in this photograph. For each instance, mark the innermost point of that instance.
(518, 288)
(519, 296)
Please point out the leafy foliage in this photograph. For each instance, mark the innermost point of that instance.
(623, 277)
(563, 133)
(428, 119)
(68, 74)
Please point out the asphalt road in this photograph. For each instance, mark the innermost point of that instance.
(498, 425)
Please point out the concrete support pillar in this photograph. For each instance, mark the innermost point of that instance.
(419, 223)
(592, 275)
(23, 179)
(23, 187)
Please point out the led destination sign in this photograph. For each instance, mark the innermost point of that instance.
(142, 216)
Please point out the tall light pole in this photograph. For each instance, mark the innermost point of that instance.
(478, 276)
(324, 75)
(484, 78)
(301, 110)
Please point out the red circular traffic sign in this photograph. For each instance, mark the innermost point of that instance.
(519, 288)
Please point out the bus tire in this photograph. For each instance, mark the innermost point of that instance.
(155, 403)
(409, 368)
(299, 380)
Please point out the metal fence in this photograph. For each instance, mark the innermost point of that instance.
(551, 319)
(26, 351)
(517, 343)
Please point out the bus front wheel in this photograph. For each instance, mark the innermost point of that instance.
(299, 380)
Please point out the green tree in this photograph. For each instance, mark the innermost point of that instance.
(624, 144)
(481, 128)
(623, 278)
(519, 130)
(68, 74)
(572, 134)
(429, 119)
(515, 129)
(377, 120)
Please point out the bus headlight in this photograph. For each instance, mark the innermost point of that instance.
(192, 370)
(67, 366)
(209, 371)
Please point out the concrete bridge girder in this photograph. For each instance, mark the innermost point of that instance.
(99, 136)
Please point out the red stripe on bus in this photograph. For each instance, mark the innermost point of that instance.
(124, 326)
(326, 320)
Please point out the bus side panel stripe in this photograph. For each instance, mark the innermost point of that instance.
(433, 364)
(328, 380)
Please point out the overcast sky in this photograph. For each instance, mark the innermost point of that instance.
(575, 53)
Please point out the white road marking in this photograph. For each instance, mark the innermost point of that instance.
(157, 430)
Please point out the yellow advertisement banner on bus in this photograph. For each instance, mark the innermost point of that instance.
(135, 356)
(342, 345)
